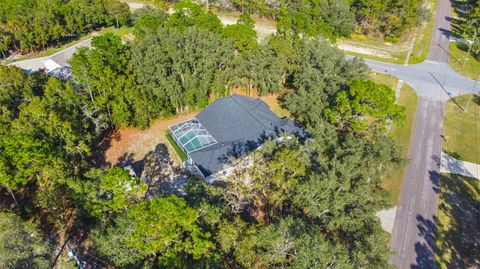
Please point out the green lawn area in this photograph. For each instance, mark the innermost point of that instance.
(177, 149)
(462, 62)
(424, 36)
(385, 79)
(400, 133)
(124, 30)
(460, 128)
(458, 227)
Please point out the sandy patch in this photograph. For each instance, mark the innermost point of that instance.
(263, 29)
(363, 50)
(135, 5)
(135, 143)
(387, 218)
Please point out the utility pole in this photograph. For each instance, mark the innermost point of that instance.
(470, 47)
(471, 96)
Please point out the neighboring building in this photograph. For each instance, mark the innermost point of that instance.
(57, 65)
(51, 65)
(228, 128)
(63, 73)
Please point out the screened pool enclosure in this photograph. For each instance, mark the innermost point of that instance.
(191, 136)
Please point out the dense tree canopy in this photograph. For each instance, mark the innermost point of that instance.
(300, 204)
(29, 25)
(186, 66)
(109, 193)
(390, 17)
(333, 18)
(468, 26)
(21, 244)
(106, 75)
(321, 74)
(243, 34)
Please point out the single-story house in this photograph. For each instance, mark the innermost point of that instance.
(230, 127)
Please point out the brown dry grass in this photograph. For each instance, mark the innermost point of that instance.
(271, 100)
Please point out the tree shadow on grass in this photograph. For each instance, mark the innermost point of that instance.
(459, 222)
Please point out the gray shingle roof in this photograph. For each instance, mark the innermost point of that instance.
(239, 124)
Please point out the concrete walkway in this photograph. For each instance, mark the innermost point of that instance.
(454, 166)
(387, 218)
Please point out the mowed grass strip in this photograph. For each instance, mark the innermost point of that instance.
(122, 31)
(177, 148)
(385, 79)
(458, 227)
(424, 36)
(461, 129)
(400, 133)
(463, 62)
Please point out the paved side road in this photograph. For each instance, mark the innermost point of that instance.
(441, 35)
(413, 237)
(431, 79)
(60, 57)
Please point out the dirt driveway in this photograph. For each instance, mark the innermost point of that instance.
(134, 143)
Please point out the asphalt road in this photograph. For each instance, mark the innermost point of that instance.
(434, 80)
(413, 236)
(441, 35)
(61, 57)
(414, 230)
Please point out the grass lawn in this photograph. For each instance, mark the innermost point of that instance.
(462, 62)
(458, 228)
(401, 133)
(388, 80)
(177, 149)
(424, 36)
(460, 129)
(124, 30)
(138, 1)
